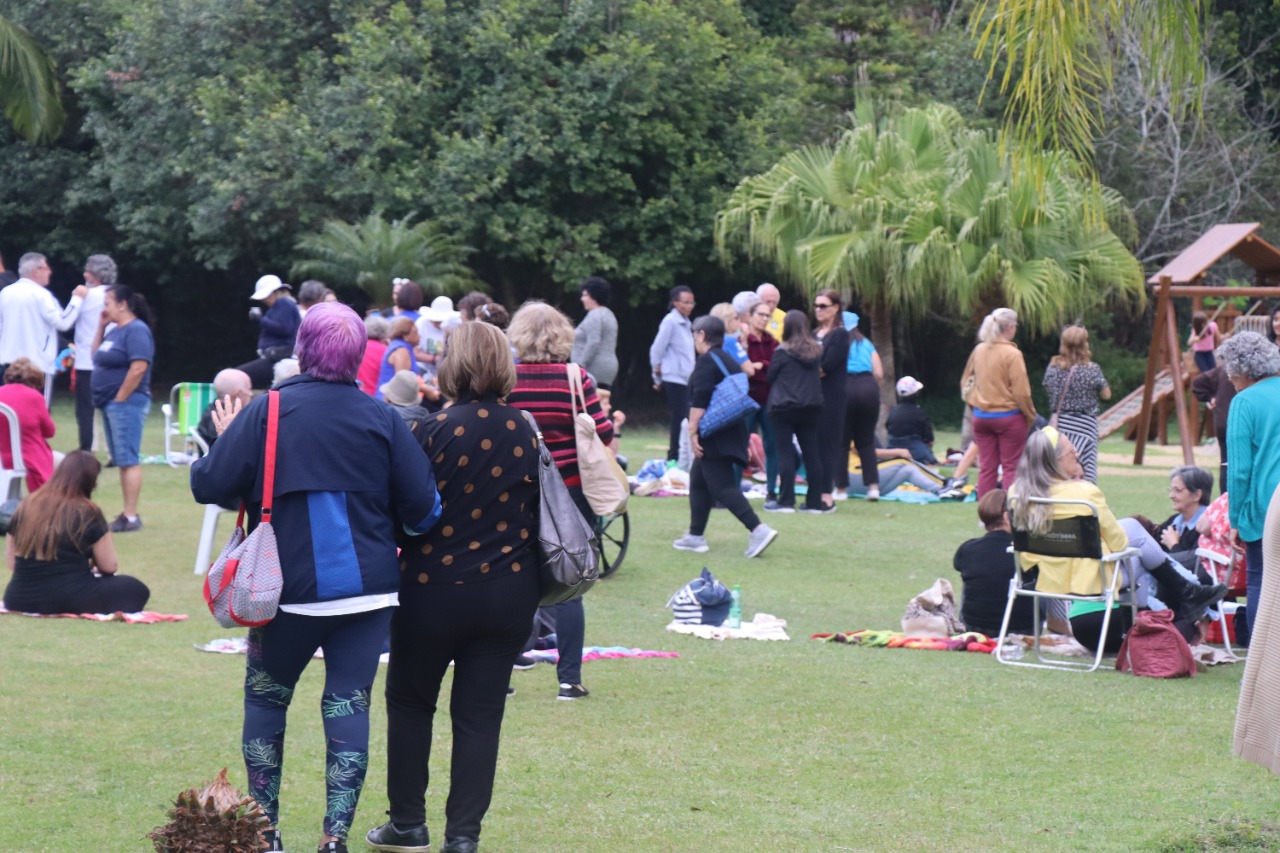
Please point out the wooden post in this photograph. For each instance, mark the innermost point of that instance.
(1158, 340)
(1179, 392)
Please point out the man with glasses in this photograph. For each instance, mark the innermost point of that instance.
(30, 317)
(671, 360)
(770, 296)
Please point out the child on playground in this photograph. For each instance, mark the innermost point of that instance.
(1204, 339)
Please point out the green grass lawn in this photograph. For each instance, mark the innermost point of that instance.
(736, 745)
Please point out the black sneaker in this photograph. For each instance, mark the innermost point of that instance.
(460, 845)
(334, 847)
(524, 662)
(387, 837)
(569, 692)
(121, 524)
(271, 837)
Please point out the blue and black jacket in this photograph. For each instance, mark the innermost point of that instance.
(349, 476)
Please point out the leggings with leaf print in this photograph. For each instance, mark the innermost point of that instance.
(278, 653)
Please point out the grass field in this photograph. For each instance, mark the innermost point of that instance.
(734, 746)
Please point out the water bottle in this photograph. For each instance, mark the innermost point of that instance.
(735, 608)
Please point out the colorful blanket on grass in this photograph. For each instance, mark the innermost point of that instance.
(971, 641)
(600, 653)
(238, 645)
(142, 617)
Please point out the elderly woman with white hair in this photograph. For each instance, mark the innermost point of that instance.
(995, 384)
(1253, 445)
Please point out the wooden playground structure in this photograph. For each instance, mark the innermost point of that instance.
(1164, 393)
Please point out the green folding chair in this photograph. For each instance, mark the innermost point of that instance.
(187, 402)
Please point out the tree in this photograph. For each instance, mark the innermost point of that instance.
(1059, 57)
(370, 253)
(28, 85)
(917, 212)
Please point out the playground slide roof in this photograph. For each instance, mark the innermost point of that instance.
(1235, 239)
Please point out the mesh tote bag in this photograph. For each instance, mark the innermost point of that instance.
(243, 586)
(729, 401)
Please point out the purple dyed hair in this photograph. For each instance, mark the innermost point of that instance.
(331, 342)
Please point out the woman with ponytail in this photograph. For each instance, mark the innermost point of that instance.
(995, 384)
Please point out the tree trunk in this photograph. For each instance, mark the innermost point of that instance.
(882, 337)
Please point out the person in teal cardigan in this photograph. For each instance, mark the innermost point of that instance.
(1253, 445)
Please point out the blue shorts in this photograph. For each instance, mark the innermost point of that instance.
(124, 422)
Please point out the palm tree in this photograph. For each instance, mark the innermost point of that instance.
(917, 212)
(370, 253)
(28, 85)
(1058, 56)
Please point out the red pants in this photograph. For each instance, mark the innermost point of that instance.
(1000, 442)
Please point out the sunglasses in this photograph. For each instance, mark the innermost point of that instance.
(820, 305)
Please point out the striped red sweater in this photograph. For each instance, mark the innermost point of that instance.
(542, 390)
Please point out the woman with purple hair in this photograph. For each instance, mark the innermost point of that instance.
(349, 478)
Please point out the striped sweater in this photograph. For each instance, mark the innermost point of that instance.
(542, 390)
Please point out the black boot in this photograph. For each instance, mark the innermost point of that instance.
(1186, 598)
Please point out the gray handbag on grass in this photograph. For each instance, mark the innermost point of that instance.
(570, 553)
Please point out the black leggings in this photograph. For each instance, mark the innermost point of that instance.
(803, 424)
(481, 627)
(678, 409)
(832, 442)
(88, 594)
(713, 480)
(862, 412)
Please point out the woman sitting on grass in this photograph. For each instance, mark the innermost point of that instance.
(61, 552)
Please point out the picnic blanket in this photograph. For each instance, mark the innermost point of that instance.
(142, 617)
(600, 653)
(762, 626)
(970, 641)
(239, 645)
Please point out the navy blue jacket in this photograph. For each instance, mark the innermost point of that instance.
(349, 475)
(279, 326)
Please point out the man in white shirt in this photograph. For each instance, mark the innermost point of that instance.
(30, 318)
(99, 274)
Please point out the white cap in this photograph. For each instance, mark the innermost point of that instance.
(266, 286)
(441, 310)
(909, 385)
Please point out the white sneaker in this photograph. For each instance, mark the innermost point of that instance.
(759, 540)
(689, 542)
(873, 493)
(840, 495)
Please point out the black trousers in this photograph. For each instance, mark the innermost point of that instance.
(84, 408)
(678, 408)
(712, 480)
(832, 442)
(481, 627)
(862, 410)
(803, 424)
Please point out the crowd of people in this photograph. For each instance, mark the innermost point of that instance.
(409, 442)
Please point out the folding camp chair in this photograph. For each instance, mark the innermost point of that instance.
(187, 402)
(1077, 537)
(1219, 567)
(14, 477)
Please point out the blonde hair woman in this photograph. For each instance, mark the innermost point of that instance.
(1075, 384)
(995, 379)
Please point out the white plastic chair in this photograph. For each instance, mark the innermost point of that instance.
(1077, 537)
(13, 477)
(208, 535)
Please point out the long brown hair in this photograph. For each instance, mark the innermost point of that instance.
(796, 338)
(60, 508)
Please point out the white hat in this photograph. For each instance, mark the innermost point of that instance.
(266, 286)
(909, 385)
(402, 389)
(441, 310)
